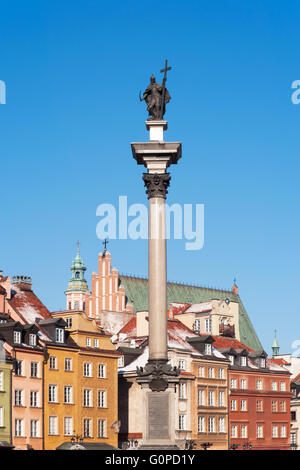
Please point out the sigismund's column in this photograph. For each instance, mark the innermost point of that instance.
(158, 379)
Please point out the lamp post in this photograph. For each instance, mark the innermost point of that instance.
(206, 445)
(76, 438)
(247, 446)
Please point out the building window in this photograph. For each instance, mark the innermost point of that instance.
(88, 342)
(34, 399)
(197, 325)
(101, 399)
(259, 432)
(87, 369)
(17, 337)
(259, 405)
(233, 405)
(76, 305)
(83, 306)
(207, 325)
(244, 431)
(68, 426)
(221, 373)
(34, 369)
(293, 415)
(211, 373)
(211, 424)
(77, 275)
(182, 422)
(181, 364)
(1, 380)
(32, 339)
(102, 371)
(243, 384)
(234, 431)
(87, 427)
(87, 398)
(59, 335)
(121, 361)
(18, 397)
(233, 383)
(207, 349)
(201, 397)
(96, 343)
(101, 428)
(53, 425)
(221, 398)
(19, 428)
(274, 431)
(274, 406)
(182, 390)
(243, 361)
(293, 438)
(68, 394)
(259, 384)
(69, 322)
(231, 359)
(70, 306)
(274, 386)
(201, 424)
(1, 416)
(282, 386)
(211, 398)
(243, 405)
(262, 362)
(19, 368)
(222, 424)
(52, 362)
(282, 406)
(282, 431)
(201, 371)
(53, 393)
(34, 428)
(68, 364)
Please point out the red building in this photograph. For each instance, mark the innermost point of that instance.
(259, 398)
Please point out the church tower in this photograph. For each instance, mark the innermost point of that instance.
(77, 290)
(275, 347)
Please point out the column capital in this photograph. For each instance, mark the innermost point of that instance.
(156, 184)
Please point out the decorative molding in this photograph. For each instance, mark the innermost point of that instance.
(157, 373)
(156, 184)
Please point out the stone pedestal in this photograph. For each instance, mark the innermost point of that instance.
(157, 379)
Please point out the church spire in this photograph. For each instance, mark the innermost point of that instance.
(77, 287)
(275, 347)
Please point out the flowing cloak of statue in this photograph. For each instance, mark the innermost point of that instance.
(153, 98)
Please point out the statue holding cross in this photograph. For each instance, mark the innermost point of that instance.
(157, 96)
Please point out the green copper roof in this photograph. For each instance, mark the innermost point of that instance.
(137, 293)
(77, 281)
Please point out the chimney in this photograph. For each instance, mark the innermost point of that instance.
(22, 282)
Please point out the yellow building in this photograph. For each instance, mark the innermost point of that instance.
(95, 379)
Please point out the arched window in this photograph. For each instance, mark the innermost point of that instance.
(77, 275)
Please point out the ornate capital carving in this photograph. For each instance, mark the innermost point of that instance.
(157, 373)
(157, 184)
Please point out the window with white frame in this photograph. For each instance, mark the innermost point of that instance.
(207, 325)
(34, 369)
(233, 405)
(34, 398)
(243, 361)
(197, 324)
(259, 384)
(221, 424)
(53, 393)
(234, 432)
(59, 335)
(102, 398)
(1, 416)
(211, 424)
(87, 427)
(274, 386)
(102, 371)
(221, 398)
(211, 398)
(259, 405)
(182, 390)
(182, 419)
(87, 369)
(96, 343)
(201, 397)
(87, 397)
(201, 424)
(244, 431)
(282, 386)
(69, 322)
(32, 339)
(18, 397)
(243, 384)
(233, 383)
(19, 368)
(34, 428)
(262, 362)
(19, 427)
(208, 349)
(68, 426)
(221, 374)
(53, 430)
(17, 337)
(1, 380)
(52, 362)
(68, 394)
(282, 406)
(121, 361)
(274, 431)
(211, 373)
(68, 364)
(201, 371)
(88, 342)
(259, 431)
(101, 427)
(182, 364)
(243, 405)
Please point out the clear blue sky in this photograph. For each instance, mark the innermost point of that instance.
(73, 70)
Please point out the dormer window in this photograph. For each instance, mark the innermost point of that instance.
(59, 335)
(243, 361)
(32, 339)
(17, 337)
(207, 349)
(231, 359)
(69, 322)
(262, 362)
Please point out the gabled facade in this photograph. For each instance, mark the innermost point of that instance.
(5, 394)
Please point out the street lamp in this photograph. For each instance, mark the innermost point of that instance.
(206, 445)
(247, 446)
(76, 438)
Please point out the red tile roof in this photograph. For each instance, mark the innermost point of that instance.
(226, 342)
(28, 305)
(280, 361)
